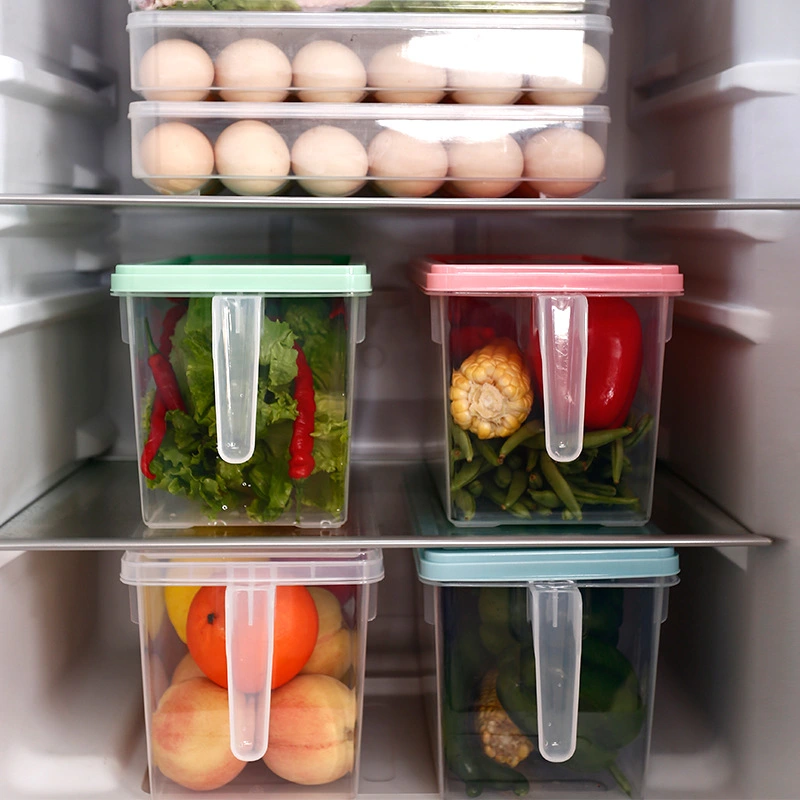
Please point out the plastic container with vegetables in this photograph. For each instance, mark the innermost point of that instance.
(551, 386)
(545, 664)
(242, 380)
(253, 668)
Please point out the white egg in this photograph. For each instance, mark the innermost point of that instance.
(251, 148)
(329, 162)
(486, 161)
(481, 87)
(562, 162)
(403, 79)
(253, 70)
(323, 67)
(573, 77)
(394, 156)
(176, 70)
(179, 158)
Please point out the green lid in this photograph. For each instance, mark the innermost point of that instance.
(453, 566)
(268, 275)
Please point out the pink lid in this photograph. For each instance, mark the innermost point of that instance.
(514, 275)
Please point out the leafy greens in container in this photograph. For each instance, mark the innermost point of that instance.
(187, 462)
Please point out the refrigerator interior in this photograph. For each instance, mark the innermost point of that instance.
(688, 120)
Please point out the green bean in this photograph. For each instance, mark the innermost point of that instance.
(544, 512)
(600, 438)
(535, 480)
(533, 460)
(527, 501)
(527, 431)
(465, 475)
(456, 454)
(465, 503)
(559, 485)
(515, 461)
(569, 467)
(642, 428)
(567, 515)
(462, 441)
(485, 467)
(475, 488)
(519, 510)
(535, 442)
(604, 500)
(494, 493)
(517, 487)
(487, 451)
(502, 476)
(546, 498)
(585, 485)
(617, 454)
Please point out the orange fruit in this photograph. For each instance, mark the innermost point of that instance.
(295, 635)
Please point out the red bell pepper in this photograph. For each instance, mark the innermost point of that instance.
(613, 362)
(474, 322)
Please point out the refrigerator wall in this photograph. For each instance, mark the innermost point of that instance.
(705, 100)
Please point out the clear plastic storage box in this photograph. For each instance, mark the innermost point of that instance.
(550, 59)
(550, 377)
(242, 385)
(431, 6)
(336, 149)
(253, 669)
(545, 668)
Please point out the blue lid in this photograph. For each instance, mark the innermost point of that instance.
(456, 566)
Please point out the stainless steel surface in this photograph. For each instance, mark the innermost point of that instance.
(97, 508)
(397, 203)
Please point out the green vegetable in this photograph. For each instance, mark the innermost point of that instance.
(187, 463)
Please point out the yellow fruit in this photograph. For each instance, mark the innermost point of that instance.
(178, 599)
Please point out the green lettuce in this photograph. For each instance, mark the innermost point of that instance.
(187, 463)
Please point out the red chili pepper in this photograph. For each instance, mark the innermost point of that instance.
(613, 362)
(166, 382)
(337, 310)
(301, 461)
(158, 427)
(171, 319)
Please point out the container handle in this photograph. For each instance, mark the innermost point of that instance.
(249, 626)
(236, 343)
(562, 321)
(557, 620)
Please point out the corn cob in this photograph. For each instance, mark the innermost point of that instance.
(501, 739)
(490, 393)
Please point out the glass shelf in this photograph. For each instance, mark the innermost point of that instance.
(302, 202)
(97, 508)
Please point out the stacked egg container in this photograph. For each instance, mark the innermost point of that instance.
(407, 105)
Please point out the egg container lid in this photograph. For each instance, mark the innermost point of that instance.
(366, 20)
(545, 274)
(156, 111)
(309, 276)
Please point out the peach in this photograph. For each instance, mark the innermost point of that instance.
(191, 736)
(186, 670)
(312, 730)
(333, 652)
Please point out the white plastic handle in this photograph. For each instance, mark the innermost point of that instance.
(249, 626)
(562, 321)
(236, 331)
(557, 621)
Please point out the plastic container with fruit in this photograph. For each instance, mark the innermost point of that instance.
(549, 373)
(253, 668)
(336, 149)
(243, 373)
(550, 59)
(408, 6)
(545, 668)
